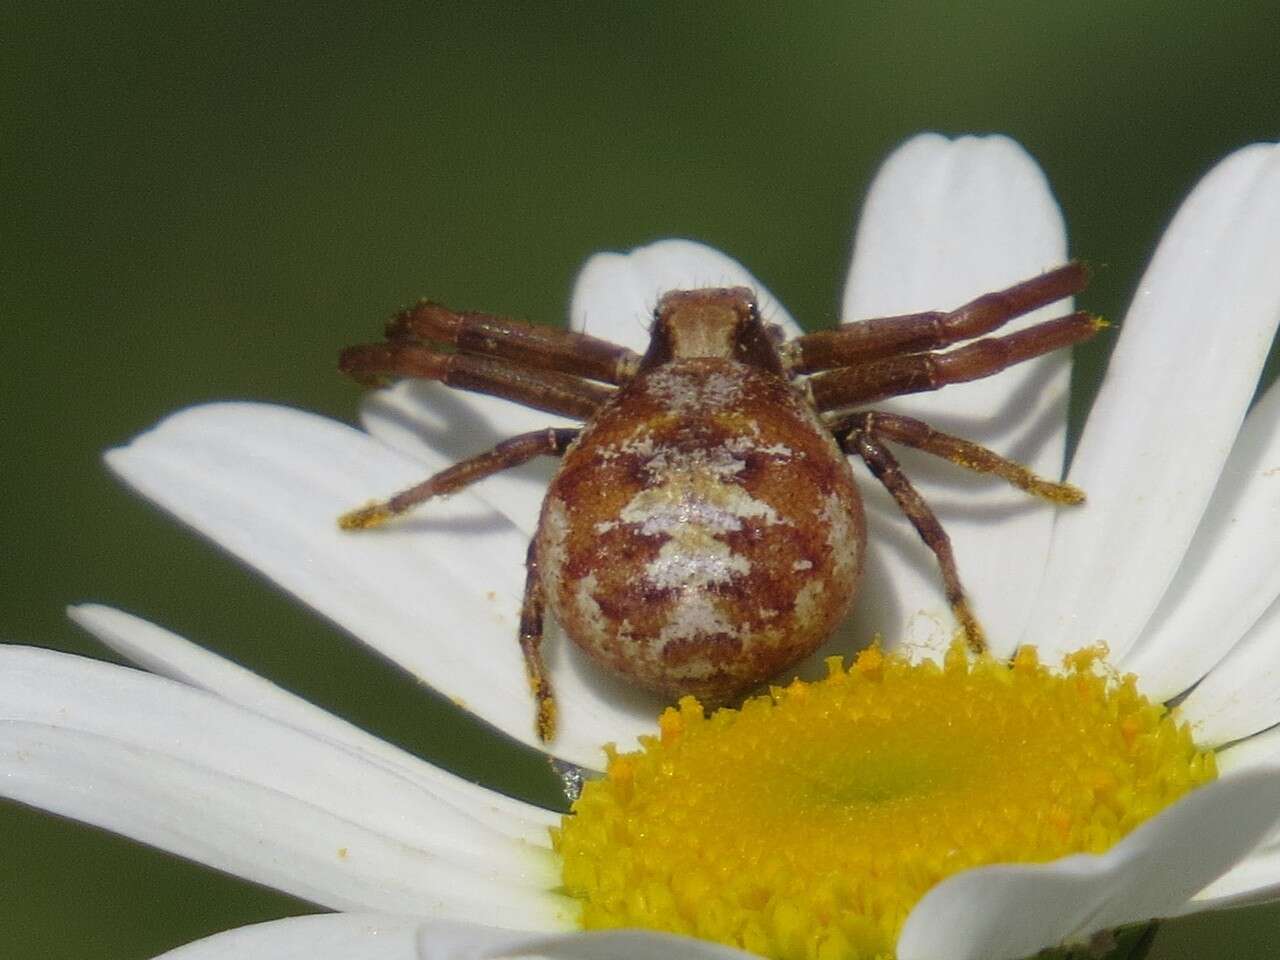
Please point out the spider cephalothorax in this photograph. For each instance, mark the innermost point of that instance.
(704, 531)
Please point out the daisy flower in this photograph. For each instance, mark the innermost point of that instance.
(1174, 564)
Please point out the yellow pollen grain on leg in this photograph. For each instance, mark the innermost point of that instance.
(806, 824)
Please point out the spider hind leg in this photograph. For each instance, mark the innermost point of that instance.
(884, 466)
(531, 617)
(863, 434)
(509, 453)
(917, 434)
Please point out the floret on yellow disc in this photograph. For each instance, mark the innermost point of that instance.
(805, 825)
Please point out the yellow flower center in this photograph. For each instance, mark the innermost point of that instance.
(809, 822)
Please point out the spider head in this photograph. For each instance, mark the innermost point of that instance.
(722, 322)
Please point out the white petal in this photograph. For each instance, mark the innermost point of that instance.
(1231, 572)
(167, 654)
(1229, 577)
(1253, 880)
(438, 592)
(438, 427)
(947, 221)
(330, 936)
(1256, 878)
(1171, 404)
(454, 941)
(615, 293)
(1241, 695)
(184, 771)
(1011, 911)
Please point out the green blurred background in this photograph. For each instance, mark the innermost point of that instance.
(207, 202)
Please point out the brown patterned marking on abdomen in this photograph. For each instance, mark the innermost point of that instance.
(704, 532)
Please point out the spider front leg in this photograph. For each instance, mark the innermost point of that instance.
(863, 340)
(549, 390)
(527, 344)
(884, 465)
(894, 376)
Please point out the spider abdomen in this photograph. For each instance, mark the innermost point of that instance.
(704, 532)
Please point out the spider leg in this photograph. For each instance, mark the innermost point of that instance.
(885, 467)
(864, 340)
(531, 614)
(915, 433)
(548, 390)
(507, 454)
(530, 345)
(919, 372)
